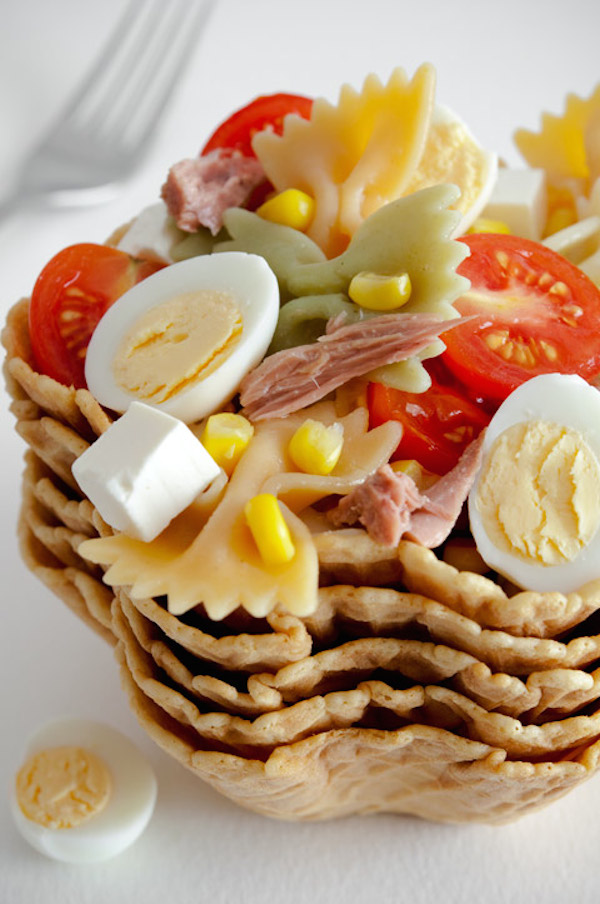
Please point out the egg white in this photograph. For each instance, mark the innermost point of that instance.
(247, 278)
(561, 399)
(127, 812)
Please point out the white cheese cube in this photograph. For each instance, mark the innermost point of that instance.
(152, 235)
(143, 471)
(519, 199)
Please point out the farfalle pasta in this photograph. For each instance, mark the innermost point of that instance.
(413, 233)
(568, 145)
(354, 156)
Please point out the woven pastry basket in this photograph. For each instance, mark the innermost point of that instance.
(412, 689)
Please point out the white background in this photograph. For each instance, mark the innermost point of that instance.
(499, 65)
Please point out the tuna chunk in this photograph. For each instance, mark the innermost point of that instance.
(383, 504)
(431, 525)
(198, 191)
(389, 505)
(297, 377)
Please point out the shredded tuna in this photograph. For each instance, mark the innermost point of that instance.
(389, 505)
(198, 191)
(297, 377)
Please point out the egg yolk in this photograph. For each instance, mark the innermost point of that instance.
(539, 493)
(451, 155)
(177, 343)
(62, 787)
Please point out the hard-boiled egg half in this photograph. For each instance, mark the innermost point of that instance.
(184, 338)
(453, 154)
(535, 505)
(83, 793)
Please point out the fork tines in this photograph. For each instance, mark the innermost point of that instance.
(128, 87)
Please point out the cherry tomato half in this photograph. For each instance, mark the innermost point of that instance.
(437, 425)
(70, 296)
(266, 112)
(538, 314)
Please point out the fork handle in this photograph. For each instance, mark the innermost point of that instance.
(9, 205)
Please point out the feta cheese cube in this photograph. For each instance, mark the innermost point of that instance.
(152, 235)
(519, 199)
(143, 471)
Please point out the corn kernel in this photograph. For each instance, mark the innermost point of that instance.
(562, 210)
(315, 448)
(380, 293)
(484, 225)
(225, 438)
(267, 525)
(560, 196)
(558, 219)
(291, 207)
(421, 476)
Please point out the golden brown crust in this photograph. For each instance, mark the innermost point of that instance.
(525, 613)
(418, 770)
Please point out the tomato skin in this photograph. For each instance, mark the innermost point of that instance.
(70, 296)
(265, 112)
(437, 424)
(538, 313)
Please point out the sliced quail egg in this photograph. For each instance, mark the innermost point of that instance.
(83, 793)
(184, 338)
(452, 154)
(535, 505)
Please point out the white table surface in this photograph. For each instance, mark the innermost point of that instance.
(498, 65)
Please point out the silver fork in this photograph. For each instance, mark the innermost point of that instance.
(101, 136)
